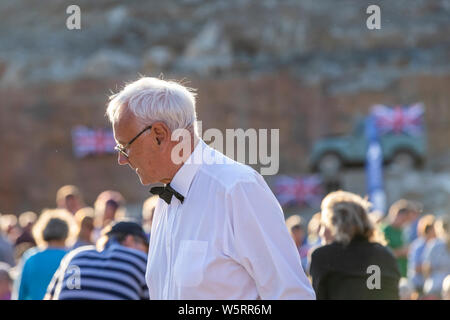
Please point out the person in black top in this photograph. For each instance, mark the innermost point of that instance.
(356, 264)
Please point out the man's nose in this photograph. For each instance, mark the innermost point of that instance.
(122, 160)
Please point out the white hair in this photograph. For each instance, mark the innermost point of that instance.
(153, 99)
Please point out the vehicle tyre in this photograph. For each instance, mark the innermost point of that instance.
(403, 160)
(329, 164)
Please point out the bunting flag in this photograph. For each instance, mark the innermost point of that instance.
(300, 191)
(397, 120)
(86, 141)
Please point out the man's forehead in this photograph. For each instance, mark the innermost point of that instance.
(124, 126)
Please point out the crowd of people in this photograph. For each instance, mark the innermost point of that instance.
(45, 256)
(39, 253)
(341, 244)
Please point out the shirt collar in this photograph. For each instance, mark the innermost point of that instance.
(182, 180)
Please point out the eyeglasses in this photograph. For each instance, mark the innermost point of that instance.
(123, 149)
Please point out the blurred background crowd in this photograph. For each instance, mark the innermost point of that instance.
(32, 246)
(412, 248)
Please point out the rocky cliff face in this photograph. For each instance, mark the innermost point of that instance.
(306, 67)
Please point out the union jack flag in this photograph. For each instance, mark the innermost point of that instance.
(87, 141)
(399, 119)
(306, 190)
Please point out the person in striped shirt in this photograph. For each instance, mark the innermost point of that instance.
(115, 270)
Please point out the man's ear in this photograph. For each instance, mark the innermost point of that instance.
(162, 132)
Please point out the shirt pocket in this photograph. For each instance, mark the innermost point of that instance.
(189, 265)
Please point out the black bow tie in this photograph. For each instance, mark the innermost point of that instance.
(166, 193)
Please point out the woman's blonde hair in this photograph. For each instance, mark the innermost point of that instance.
(83, 213)
(7, 221)
(26, 218)
(426, 223)
(65, 191)
(347, 215)
(55, 224)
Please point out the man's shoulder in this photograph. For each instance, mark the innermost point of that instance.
(391, 232)
(82, 252)
(34, 253)
(417, 244)
(117, 251)
(436, 244)
(381, 251)
(228, 172)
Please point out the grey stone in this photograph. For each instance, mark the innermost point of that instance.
(158, 56)
(109, 63)
(117, 16)
(209, 51)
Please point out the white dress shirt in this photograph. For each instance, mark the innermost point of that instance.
(227, 240)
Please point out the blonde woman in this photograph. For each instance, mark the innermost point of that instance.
(356, 264)
(54, 231)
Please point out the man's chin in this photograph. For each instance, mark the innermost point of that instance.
(146, 182)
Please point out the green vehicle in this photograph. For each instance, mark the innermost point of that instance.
(332, 153)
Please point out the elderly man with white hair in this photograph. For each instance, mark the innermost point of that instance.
(218, 231)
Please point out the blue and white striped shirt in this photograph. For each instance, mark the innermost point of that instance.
(116, 273)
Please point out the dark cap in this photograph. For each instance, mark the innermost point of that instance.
(128, 227)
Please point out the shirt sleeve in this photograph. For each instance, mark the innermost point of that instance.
(262, 242)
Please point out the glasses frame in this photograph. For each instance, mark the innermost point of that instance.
(122, 151)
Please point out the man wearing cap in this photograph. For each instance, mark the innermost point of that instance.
(115, 271)
(218, 231)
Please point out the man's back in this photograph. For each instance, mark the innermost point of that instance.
(116, 273)
(44, 263)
